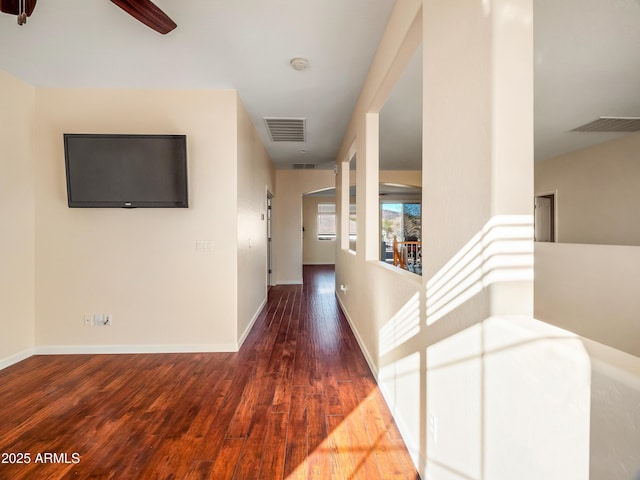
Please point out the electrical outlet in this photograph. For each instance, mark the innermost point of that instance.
(98, 319)
(204, 245)
(108, 319)
(87, 320)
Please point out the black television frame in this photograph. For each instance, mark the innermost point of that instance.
(133, 203)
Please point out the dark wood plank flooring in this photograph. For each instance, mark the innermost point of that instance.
(297, 402)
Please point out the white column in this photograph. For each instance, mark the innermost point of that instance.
(507, 396)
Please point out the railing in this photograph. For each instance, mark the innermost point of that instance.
(408, 255)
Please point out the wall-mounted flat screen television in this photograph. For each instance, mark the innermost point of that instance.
(126, 171)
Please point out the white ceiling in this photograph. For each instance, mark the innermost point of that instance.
(587, 65)
(239, 44)
(587, 60)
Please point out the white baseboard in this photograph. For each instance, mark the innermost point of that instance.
(116, 349)
(414, 451)
(363, 348)
(13, 359)
(289, 282)
(244, 335)
(132, 349)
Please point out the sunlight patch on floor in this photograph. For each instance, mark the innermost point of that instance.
(350, 453)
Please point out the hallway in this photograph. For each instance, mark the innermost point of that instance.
(297, 401)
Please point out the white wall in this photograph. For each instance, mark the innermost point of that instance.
(314, 251)
(384, 305)
(615, 413)
(287, 219)
(479, 387)
(597, 194)
(17, 290)
(140, 265)
(255, 177)
(587, 283)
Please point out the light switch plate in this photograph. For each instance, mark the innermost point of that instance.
(204, 245)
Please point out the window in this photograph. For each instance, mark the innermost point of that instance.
(400, 220)
(401, 235)
(326, 221)
(353, 193)
(352, 223)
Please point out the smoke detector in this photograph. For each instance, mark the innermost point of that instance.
(299, 63)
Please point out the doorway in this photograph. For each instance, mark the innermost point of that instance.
(544, 218)
(269, 242)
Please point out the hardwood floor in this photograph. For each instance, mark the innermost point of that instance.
(297, 402)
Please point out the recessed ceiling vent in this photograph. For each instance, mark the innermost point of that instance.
(286, 129)
(611, 124)
(304, 166)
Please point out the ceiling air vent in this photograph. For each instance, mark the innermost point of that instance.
(611, 124)
(286, 129)
(304, 166)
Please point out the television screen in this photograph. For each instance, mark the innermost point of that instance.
(126, 171)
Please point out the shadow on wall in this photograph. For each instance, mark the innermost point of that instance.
(481, 397)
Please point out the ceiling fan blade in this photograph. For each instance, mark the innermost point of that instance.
(12, 7)
(149, 14)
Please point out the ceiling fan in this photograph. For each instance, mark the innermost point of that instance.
(142, 10)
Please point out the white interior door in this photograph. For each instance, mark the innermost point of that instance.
(543, 219)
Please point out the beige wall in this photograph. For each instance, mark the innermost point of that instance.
(17, 291)
(591, 290)
(291, 185)
(597, 194)
(412, 178)
(140, 265)
(314, 251)
(255, 177)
